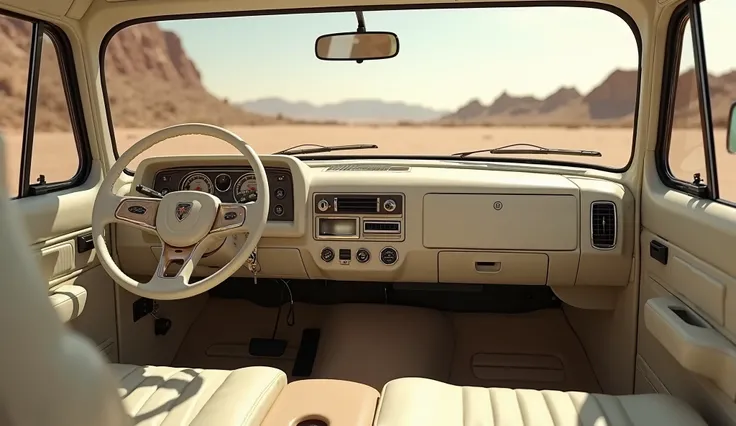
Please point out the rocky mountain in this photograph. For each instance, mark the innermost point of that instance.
(356, 110)
(611, 103)
(151, 82)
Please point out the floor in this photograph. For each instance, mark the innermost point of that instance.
(372, 344)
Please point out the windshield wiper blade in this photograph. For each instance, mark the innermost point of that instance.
(316, 149)
(532, 149)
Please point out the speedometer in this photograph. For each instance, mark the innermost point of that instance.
(246, 188)
(196, 182)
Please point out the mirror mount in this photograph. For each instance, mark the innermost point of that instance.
(361, 21)
(731, 130)
(361, 27)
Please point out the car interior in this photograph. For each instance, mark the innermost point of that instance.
(298, 289)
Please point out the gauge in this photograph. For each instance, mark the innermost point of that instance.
(222, 182)
(246, 188)
(196, 182)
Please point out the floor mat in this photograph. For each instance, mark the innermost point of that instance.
(536, 350)
(220, 337)
(375, 343)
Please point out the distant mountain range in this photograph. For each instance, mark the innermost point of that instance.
(356, 110)
(611, 103)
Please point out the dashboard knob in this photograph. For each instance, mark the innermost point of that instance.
(389, 205)
(323, 205)
(389, 256)
(362, 255)
(327, 255)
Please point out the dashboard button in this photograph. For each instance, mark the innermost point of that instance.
(389, 256)
(278, 210)
(389, 205)
(279, 193)
(327, 254)
(362, 255)
(323, 205)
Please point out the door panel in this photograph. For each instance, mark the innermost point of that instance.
(687, 304)
(79, 288)
(52, 176)
(687, 315)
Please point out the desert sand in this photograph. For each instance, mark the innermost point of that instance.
(55, 156)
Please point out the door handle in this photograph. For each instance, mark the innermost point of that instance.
(487, 267)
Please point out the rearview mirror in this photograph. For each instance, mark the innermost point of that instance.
(356, 46)
(731, 132)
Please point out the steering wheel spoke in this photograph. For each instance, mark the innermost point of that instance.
(176, 266)
(237, 218)
(137, 211)
(231, 219)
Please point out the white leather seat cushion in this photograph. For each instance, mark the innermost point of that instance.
(425, 402)
(189, 396)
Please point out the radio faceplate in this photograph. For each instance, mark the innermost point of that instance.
(359, 217)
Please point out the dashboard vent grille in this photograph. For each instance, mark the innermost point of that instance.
(603, 225)
(366, 168)
(357, 204)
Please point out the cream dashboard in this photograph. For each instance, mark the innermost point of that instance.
(423, 222)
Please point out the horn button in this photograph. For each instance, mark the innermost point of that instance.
(184, 218)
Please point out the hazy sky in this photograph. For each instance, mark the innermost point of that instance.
(446, 57)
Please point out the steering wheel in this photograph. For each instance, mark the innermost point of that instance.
(188, 223)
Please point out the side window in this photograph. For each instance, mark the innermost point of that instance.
(718, 35)
(693, 142)
(37, 122)
(14, 65)
(686, 156)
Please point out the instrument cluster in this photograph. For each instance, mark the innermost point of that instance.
(231, 185)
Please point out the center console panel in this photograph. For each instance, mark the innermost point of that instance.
(323, 402)
(358, 229)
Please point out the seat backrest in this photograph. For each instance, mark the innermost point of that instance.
(49, 375)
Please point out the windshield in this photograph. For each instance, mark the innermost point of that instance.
(453, 80)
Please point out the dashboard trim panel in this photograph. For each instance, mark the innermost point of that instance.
(290, 249)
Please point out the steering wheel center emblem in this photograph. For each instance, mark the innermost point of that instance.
(182, 211)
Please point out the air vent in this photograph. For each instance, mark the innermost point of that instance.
(366, 168)
(357, 204)
(381, 227)
(603, 225)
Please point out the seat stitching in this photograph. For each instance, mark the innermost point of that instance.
(253, 407)
(626, 413)
(182, 392)
(519, 405)
(210, 397)
(548, 407)
(493, 407)
(574, 407)
(141, 405)
(136, 384)
(132, 370)
(597, 401)
(462, 406)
